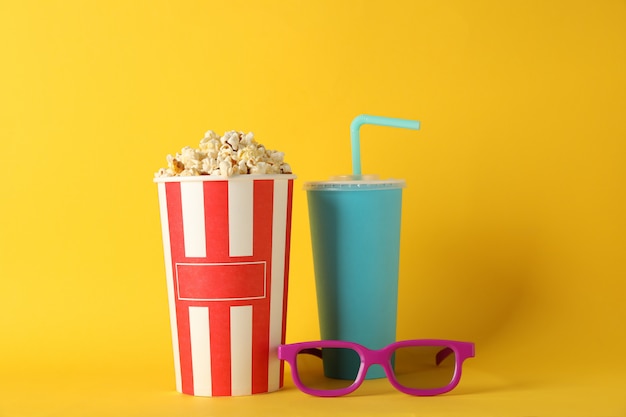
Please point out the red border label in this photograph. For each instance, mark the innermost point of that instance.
(221, 281)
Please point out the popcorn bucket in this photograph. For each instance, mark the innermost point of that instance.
(226, 245)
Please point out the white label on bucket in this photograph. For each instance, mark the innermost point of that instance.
(192, 200)
(240, 217)
(279, 233)
(241, 350)
(200, 350)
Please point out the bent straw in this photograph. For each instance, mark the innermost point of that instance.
(363, 119)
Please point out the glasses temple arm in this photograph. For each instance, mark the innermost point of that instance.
(312, 351)
(442, 355)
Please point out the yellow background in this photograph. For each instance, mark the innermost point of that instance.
(513, 235)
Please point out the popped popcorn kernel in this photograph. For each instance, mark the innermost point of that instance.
(233, 153)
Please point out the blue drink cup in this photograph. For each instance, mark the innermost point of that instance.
(355, 233)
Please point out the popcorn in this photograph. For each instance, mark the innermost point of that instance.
(233, 153)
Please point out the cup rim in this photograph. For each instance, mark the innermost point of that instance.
(354, 185)
(239, 177)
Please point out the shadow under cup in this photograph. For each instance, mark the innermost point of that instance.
(355, 234)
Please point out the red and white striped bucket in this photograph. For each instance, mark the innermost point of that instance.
(226, 245)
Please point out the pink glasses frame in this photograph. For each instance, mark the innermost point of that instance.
(382, 357)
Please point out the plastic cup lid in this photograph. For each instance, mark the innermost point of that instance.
(353, 183)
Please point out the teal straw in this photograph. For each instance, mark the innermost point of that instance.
(365, 119)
